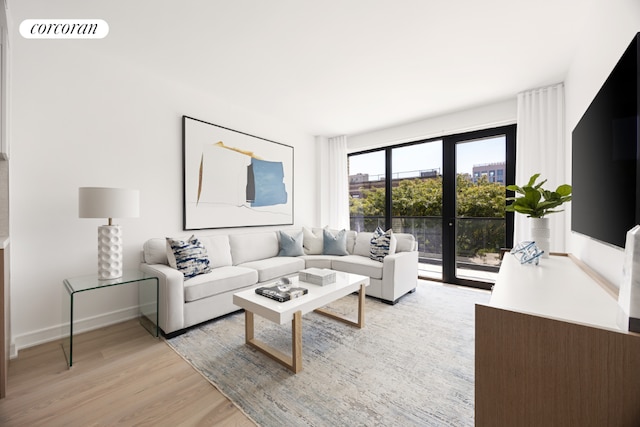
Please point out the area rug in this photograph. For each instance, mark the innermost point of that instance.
(412, 363)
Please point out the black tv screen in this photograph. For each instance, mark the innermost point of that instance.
(605, 157)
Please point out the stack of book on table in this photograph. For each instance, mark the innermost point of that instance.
(281, 292)
(318, 276)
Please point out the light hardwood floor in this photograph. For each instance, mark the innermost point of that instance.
(121, 376)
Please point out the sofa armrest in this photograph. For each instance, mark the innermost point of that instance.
(171, 296)
(399, 274)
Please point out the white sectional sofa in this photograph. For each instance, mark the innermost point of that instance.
(245, 260)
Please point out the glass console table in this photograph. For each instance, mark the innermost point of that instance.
(147, 300)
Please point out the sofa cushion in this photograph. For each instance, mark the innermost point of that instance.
(319, 261)
(272, 268)
(218, 249)
(253, 246)
(290, 245)
(188, 256)
(319, 238)
(154, 251)
(383, 243)
(312, 241)
(406, 242)
(219, 280)
(351, 239)
(357, 264)
(363, 243)
(334, 244)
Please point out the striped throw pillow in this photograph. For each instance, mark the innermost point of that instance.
(188, 256)
(381, 244)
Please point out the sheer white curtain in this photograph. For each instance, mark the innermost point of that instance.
(541, 149)
(337, 183)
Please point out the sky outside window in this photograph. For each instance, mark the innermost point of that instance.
(429, 156)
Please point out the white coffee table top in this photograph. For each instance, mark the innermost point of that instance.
(318, 296)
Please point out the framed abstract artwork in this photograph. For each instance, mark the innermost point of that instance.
(233, 179)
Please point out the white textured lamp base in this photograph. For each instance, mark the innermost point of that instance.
(109, 252)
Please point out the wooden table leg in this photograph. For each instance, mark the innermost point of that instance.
(248, 326)
(296, 342)
(343, 319)
(293, 362)
(361, 307)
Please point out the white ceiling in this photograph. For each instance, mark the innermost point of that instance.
(335, 67)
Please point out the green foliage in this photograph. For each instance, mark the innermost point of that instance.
(421, 200)
(536, 202)
(481, 200)
(415, 197)
(372, 204)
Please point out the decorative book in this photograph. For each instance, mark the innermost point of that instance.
(281, 292)
(318, 276)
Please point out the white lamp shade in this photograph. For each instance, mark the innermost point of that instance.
(99, 202)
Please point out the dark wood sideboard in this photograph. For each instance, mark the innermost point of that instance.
(549, 351)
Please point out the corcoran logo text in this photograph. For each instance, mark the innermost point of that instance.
(64, 29)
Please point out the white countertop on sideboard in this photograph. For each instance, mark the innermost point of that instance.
(556, 288)
(4, 241)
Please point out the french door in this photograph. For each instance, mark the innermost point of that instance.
(477, 167)
(448, 192)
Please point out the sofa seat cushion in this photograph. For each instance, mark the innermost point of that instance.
(357, 264)
(320, 261)
(218, 281)
(272, 268)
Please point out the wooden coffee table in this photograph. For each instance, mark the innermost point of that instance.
(281, 312)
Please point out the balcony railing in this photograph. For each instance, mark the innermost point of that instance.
(478, 240)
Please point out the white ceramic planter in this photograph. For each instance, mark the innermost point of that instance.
(541, 234)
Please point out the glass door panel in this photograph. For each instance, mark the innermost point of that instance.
(367, 190)
(480, 222)
(416, 201)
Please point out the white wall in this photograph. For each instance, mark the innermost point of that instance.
(491, 115)
(612, 26)
(82, 119)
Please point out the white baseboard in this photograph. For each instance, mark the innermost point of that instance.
(54, 333)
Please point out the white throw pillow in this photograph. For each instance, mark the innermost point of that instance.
(312, 241)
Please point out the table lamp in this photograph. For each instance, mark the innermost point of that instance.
(99, 202)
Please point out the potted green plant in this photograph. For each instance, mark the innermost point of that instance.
(535, 202)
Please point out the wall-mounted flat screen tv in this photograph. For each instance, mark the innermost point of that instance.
(605, 147)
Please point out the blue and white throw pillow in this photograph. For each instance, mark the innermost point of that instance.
(188, 256)
(382, 244)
